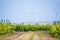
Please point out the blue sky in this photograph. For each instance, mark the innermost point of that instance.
(30, 10)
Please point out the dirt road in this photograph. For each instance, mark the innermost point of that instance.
(26, 36)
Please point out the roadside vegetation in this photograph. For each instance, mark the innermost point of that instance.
(8, 28)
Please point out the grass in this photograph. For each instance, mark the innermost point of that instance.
(31, 36)
(39, 34)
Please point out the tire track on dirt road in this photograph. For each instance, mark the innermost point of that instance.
(26, 36)
(36, 37)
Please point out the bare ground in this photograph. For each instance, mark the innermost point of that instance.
(46, 36)
(13, 37)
